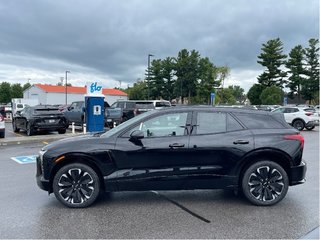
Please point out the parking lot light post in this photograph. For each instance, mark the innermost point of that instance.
(67, 87)
(149, 55)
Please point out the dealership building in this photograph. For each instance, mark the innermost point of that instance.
(52, 94)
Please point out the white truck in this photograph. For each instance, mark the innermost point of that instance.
(19, 103)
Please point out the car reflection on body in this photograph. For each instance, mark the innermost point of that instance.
(181, 148)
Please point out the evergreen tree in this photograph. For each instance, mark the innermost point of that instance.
(273, 59)
(271, 95)
(16, 91)
(167, 75)
(254, 94)
(310, 86)
(296, 70)
(5, 92)
(156, 82)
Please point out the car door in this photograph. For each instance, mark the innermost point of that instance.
(217, 142)
(158, 157)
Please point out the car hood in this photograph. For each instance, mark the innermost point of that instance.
(83, 143)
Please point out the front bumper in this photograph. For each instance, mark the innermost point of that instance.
(41, 182)
(298, 174)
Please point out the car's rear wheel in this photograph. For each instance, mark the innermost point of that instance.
(310, 128)
(14, 127)
(265, 183)
(76, 185)
(298, 124)
(2, 134)
(30, 130)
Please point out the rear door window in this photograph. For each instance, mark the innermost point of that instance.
(211, 122)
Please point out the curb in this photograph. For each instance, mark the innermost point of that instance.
(35, 139)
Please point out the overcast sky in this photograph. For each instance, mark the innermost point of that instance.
(109, 41)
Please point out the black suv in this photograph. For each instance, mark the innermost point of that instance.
(184, 148)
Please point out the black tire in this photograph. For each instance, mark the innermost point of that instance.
(265, 183)
(76, 185)
(30, 130)
(62, 131)
(2, 134)
(310, 128)
(298, 124)
(14, 127)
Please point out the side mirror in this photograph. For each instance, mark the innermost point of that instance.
(136, 135)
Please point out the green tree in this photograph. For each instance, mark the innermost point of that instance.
(254, 94)
(138, 91)
(296, 70)
(167, 73)
(271, 95)
(207, 82)
(16, 91)
(25, 86)
(226, 96)
(238, 93)
(310, 86)
(5, 92)
(187, 72)
(273, 59)
(156, 82)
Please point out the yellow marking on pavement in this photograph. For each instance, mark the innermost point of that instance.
(45, 143)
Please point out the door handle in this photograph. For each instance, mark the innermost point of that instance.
(176, 145)
(241, 142)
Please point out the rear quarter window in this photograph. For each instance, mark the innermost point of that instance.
(257, 121)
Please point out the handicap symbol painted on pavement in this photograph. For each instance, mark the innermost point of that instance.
(25, 159)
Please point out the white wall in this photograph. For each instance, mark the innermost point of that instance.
(60, 98)
(35, 93)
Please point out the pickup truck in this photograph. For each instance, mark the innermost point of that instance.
(76, 113)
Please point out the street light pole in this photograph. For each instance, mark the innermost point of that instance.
(67, 86)
(149, 55)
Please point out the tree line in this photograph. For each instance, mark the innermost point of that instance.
(297, 72)
(9, 91)
(186, 77)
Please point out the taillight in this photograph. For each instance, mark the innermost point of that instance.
(308, 113)
(297, 137)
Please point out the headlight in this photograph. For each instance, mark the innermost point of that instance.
(41, 153)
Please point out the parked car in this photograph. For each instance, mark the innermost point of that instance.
(178, 148)
(76, 113)
(39, 118)
(131, 108)
(2, 126)
(299, 117)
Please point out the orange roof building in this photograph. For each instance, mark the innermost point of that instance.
(53, 94)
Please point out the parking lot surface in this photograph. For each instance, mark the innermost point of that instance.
(28, 212)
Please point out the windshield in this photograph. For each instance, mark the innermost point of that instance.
(126, 124)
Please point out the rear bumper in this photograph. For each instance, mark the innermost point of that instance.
(298, 174)
(312, 123)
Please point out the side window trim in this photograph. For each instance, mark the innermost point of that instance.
(186, 131)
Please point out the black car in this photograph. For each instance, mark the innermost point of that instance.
(39, 118)
(255, 152)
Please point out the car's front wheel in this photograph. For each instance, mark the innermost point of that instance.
(265, 183)
(76, 185)
(30, 130)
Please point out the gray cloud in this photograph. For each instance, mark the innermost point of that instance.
(115, 37)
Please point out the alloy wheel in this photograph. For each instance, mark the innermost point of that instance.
(266, 183)
(76, 186)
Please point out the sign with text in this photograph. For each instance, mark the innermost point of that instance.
(94, 89)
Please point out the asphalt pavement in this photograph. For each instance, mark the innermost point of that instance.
(28, 212)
